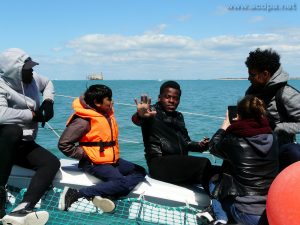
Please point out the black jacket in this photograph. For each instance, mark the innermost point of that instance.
(166, 134)
(250, 164)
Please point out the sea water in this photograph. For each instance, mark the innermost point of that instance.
(203, 103)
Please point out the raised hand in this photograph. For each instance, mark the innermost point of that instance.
(143, 107)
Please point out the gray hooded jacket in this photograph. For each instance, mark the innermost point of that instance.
(290, 99)
(18, 100)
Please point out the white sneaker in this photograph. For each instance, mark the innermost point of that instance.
(24, 217)
(205, 215)
(105, 204)
(220, 222)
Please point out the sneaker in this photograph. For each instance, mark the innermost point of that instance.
(105, 204)
(220, 222)
(205, 215)
(26, 217)
(67, 198)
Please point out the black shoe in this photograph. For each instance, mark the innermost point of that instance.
(2, 201)
(67, 198)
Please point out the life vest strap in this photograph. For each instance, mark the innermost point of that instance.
(101, 144)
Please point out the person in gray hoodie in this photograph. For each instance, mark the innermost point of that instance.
(20, 112)
(249, 150)
(269, 82)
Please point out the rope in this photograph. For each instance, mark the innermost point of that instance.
(133, 105)
(57, 135)
(124, 140)
(120, 139)
(128, 141)
(200, 114)
(51, 128)
(66, 96)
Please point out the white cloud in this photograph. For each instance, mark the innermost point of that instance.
(57, 49)
(157, 30)
(256, 19)
(221, 10)
(171, 56)
(184, 18)
(117, 47)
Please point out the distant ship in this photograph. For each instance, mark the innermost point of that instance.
(95, 77)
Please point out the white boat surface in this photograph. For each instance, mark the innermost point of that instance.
(151, 189)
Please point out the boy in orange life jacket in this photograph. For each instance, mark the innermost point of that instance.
(91, 136)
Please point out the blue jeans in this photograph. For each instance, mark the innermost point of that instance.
(288, 154)
(239, 216)
(244, 218)
(219, 213)
(118, 179)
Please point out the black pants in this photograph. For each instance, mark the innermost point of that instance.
(288, 154)
(26, 154)
(180, 169)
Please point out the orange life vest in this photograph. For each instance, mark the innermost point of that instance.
(101, 142)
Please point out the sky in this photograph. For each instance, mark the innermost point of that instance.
(150, 39)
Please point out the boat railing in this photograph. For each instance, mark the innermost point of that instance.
(55, 131)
